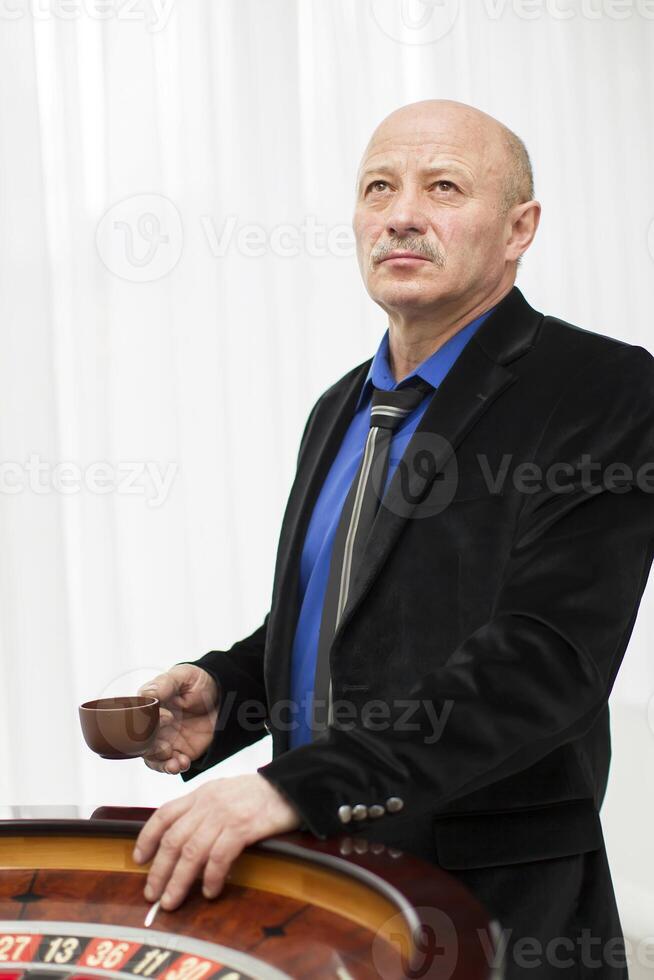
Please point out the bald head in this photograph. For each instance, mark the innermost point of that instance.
(500, 150)
(444, 212)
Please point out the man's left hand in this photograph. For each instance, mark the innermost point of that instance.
(208, 829)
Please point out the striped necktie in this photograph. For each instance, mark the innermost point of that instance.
(387, 410)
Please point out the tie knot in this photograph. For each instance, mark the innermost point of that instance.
(389, 408)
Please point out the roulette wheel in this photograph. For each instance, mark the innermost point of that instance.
(72, 908)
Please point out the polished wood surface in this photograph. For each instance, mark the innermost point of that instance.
(279, 875)
(311, 909)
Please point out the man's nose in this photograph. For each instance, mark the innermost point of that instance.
(406, 215)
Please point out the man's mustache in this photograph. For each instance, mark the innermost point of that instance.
(418, 245)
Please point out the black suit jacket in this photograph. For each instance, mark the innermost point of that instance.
(504, 612)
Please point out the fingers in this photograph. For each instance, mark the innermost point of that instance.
(208, 829)
(168, 729)
(186, 687)
(192, 856)
(188, 836)
(168, 745)
(164, 687)
(163, 750)
(172, 766)
(178, 858)
(154, 764)
(166, 717)
(177, 764)
(225, 850)
(152, 832)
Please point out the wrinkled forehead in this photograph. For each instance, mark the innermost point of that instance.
(473, 145)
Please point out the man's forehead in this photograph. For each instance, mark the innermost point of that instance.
(438, 126)
(418, 136)
(429, 150)
(423, 148)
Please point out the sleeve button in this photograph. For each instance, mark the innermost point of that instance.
(394, 804)
(345, 813)
(376, 810)
(359, 812)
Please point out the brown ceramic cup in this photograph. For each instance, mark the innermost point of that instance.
(120, 728)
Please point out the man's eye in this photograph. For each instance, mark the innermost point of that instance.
(442, 185)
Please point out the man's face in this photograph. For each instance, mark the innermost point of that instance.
(432, 183)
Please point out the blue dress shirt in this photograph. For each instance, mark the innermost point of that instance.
(319, 539)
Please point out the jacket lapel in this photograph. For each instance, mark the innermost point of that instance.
(476, 379)
(323, 440)
(329, 427)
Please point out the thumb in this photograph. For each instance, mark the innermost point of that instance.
(164, 687)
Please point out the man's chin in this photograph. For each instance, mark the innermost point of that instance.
(405, 297)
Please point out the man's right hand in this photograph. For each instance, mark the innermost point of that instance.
(188, 710)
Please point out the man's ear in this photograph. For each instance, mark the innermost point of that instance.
(522, 222)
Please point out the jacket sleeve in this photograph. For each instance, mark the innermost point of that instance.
(538, 673)
(238, 672)
(239, 676)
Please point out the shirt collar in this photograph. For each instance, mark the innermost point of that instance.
(433, 369)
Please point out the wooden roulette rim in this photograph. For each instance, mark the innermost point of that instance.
(340, 908)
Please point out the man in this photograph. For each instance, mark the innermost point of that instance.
(487, 607)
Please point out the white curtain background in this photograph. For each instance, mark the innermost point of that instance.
(178, 285)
